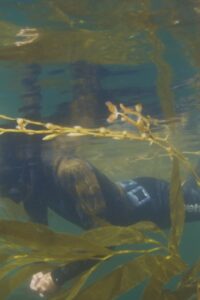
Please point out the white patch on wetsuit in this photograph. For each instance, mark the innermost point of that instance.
(135, 192)
(192, 208)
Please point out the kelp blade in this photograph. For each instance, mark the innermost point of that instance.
(122, 279)
(177, 210)
(39, 237)
(117, 235)
(165, 268)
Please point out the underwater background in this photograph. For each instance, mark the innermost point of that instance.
(62, 60)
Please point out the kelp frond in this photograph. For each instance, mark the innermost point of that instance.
(132, 116)
(46, 249)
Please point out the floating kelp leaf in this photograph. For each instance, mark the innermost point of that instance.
(74, 134)
(8, 33)
(44, 238)
(186, 293)
(177, 211)
(163, 270)
(93, 46)
(114, 112)
(51, 126)
(127, 110)
(111, 107)
(49, 137)
(122, 279)
(15, 263)
(116, 235)
(166, 295)
(138, 108)
(102, 130)
(190, 280)
(3, 255)
(149, 227)
(63, 252)
(21, 124)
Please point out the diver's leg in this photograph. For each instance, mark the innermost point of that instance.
(156, 208)
(148, 200)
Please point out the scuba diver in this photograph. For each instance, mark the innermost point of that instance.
(80, 193)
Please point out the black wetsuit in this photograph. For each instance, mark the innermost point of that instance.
(79, 192)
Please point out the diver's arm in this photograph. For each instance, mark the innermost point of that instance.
(47, 283)
(68, 272)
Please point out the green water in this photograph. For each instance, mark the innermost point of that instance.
(61, 60)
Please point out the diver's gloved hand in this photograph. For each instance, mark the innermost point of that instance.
(43, 284)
